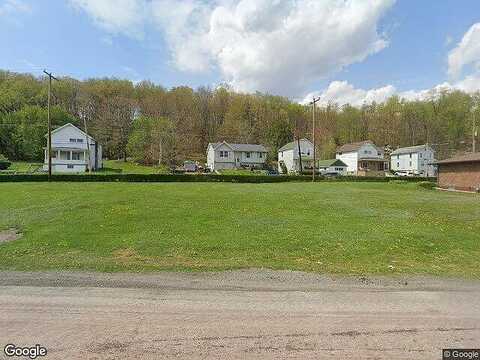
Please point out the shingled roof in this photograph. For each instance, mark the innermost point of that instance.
(331, 162)
(243, 147)
(291, 145)
(471, 157)
(409, 149)
(355, 146)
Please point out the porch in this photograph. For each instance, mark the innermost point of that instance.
(372, 167)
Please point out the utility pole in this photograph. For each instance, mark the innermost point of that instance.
(314, 101)
(49, 145)
(299, 154)
(87, 155)
(474, 132)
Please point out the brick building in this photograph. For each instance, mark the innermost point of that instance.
(460, 173)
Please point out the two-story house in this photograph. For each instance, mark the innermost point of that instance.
(70, 152)
(363, 159)
(289, 156)
(413, 160)
(223, 155)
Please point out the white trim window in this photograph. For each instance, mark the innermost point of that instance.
(247, 154)
(77, 155)
(223, 154)
(65, 155)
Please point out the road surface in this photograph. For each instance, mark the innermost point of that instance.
(251, 314)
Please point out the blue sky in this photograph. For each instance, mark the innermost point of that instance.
(403, 45)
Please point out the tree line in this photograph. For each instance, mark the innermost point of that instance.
(155, 125)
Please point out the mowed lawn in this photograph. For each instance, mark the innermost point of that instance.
(347, 228)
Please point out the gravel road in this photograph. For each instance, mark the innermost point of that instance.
(250, 314)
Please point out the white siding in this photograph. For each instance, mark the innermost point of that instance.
(291, 157)
(287, 158)
(73, 140)
(351, 160)
(341, 170)
(369, 151)
(234, 159)
(414, 163)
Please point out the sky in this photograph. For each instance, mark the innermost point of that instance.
(344, 51)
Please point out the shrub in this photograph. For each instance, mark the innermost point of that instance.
(427, 185)
(96, 177)
(4, 163)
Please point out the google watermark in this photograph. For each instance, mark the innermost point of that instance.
(32, 352)
(461, 354)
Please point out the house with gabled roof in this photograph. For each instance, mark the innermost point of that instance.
(224, 155)
(297, 152)
(413, 160)
(73, 150)
(363, 158)
(331, 167)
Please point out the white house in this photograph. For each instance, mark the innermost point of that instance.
(413, 160)
(363, 159)
(289, 159)
(223, 155)
(70, 151)
(332, 167)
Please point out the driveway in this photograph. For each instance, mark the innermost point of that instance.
(251, 314)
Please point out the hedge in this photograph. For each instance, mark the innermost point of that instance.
(190, 178)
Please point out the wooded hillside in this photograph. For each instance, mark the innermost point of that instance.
(151, 123)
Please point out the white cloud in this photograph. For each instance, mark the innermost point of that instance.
(341, 92)
(467, 52)
(9, 7)
(271, 45)
(278, 46)
(116, 16)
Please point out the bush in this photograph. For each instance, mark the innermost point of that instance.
(4, 163)
(429, 185)
(183, 178)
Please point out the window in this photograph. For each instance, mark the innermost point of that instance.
(410, 155)
(247, 155)
(79, 140)
(398, 164)
(77, 155)
(70, 166)
(420, 155)
(73, 140)
(54, 154)
(260, 155)
(410, 163)
(224, 154)
(65, 155)
(398, 157)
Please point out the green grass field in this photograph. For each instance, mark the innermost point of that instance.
(347, 228)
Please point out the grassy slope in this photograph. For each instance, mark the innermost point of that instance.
(326, 227)
(120, 166)
(24, 167)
